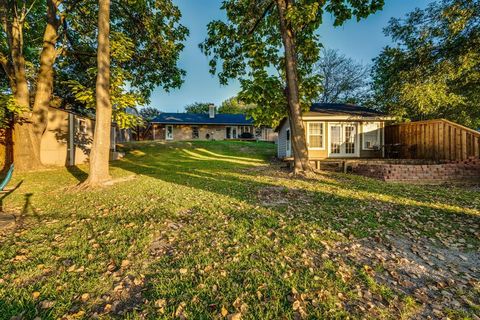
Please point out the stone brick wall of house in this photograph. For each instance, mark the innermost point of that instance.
(436, 173)
(184, 132)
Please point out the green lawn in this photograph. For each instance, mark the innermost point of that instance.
(208, 230)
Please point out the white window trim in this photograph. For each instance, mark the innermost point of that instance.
(379, 128)
(323, 135)
(166, 132)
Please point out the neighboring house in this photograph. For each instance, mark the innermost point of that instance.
(211, 126)
(337, 131)
(68, 138)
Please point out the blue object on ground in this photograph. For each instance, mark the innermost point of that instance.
(7, 178)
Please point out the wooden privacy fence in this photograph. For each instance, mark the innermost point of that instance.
(433, 139)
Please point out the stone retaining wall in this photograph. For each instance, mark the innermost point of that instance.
(422, 173)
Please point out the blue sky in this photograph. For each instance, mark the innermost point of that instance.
(361, 41)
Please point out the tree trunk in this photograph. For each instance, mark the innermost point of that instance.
(43, 94)
(25, 156)
(99, 155)
(299, 144)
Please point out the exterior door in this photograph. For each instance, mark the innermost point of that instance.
(230, 132)
(343, 140)
(288, 144)
(169, 133)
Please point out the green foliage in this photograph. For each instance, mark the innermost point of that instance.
(146, 40)
(122, 99)
(197, 107)
(248, 46)
(149, 30)
(434, 70)
(235, 105)
(8, 108)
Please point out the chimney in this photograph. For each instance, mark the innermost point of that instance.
(211, 111)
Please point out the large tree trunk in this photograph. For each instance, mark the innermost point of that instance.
(43, 94)
(99, 155)
(299, 144)
(25, 156)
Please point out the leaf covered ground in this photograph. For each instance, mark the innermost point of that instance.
(214, 230)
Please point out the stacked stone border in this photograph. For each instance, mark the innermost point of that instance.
(465, 170)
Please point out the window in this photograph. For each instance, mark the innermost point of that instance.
(349, 139)
(288, 144)
(371, 135)
(169, 133)
(195, 133)
(82, 126)
(315, 135)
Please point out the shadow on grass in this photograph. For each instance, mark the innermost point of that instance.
(77, 173)
(346, 203)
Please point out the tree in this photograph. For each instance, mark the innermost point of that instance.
(271, 46)
(146, 40)
(198, 107)
(149, 113)
(343, 79)
(17, 50)
(433, 70)
(235, 105)
(100, 153)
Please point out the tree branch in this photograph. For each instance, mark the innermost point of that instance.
(264, 14)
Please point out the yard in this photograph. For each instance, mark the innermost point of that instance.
(217, 230)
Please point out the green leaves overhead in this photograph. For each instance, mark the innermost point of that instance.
(146, 40)
(248, 46)
(148, 30)
(434, 69)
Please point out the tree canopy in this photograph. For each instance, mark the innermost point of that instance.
(248, 46)
(146, 41)
(433, 70)
(343, 80)
(48, 52)
(198, 107)
(235, 105)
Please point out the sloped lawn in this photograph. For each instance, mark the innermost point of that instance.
(211, 230)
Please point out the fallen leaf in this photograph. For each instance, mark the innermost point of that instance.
(85, 297)
(224, 312)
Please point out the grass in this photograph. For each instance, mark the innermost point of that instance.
(209, 230)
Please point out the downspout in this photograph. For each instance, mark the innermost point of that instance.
(71, 136)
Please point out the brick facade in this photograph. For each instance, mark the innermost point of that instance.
(422, 173)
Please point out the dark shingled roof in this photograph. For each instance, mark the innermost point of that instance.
(344, 109)
(202, 118)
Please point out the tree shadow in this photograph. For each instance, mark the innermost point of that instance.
(77, 173)
(349, 203)
(6, 193)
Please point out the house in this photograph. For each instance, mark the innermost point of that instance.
(337, 131)
(68, 138)
(211, 126)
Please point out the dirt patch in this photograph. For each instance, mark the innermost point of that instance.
(276, 196)
(439, 278)
(7, 221)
